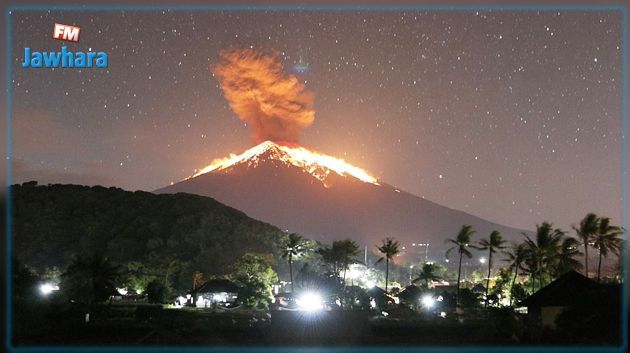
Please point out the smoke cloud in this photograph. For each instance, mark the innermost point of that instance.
(274, 104)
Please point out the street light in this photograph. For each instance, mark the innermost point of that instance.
(47, 288)
(310, 301)
(482, 260)
(428, 301)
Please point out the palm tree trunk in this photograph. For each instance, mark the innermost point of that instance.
(586, 258)
(599, 266)
(291, 272)
(459, 276)
(488, 279)
(386, 273)
(343, 297)
(513, 282)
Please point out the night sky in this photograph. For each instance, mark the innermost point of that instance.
(511, 116)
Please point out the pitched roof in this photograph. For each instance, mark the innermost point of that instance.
(410, 292)
(561, 292)
(376, 291)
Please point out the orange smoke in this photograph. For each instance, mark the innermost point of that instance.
(275, 105)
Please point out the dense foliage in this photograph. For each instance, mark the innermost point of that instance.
(165, 237)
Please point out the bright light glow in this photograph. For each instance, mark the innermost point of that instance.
(310, 301)
(443, 314)
(370, 284)
(47, 288)
(355, 273)
(122, 291)
(317, 164)
(219, 297)
(180, 301)
(428, 301)
(482, 260)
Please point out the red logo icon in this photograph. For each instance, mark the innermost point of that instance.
(66, 32)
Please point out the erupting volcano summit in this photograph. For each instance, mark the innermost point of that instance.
(318, 165)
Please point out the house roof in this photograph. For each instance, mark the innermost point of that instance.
(376, 291)
(410, 292)
(218, 286)
(562, 292)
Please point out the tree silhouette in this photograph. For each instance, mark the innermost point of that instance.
(607, 239)
(585, 232)
(492, 244)
(516, 259)
(566, 259)
(461, 244)
(348, 251)
(292, 247)
(427, 274)
(543, 251)
(90, 279)
(389, 249)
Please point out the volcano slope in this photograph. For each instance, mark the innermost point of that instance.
(324, 205)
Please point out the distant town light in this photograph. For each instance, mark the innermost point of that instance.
(482, 260)
(47, 288)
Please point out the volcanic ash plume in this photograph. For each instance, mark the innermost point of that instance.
(276, 105)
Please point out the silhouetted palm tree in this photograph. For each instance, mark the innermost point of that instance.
(427, 274)
(292, 247)
(348, 251)
(585, 232)
(607, 239)
(462, 243)
(492, 244)
(566, 259)
(389, 249)
(543, 252)
(516, 257)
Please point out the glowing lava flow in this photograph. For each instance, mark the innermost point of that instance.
(317, 164)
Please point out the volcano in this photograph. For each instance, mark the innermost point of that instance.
(326, 199)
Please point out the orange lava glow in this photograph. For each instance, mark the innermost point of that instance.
(317, 164)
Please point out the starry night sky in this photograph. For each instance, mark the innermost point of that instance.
(511, 116)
